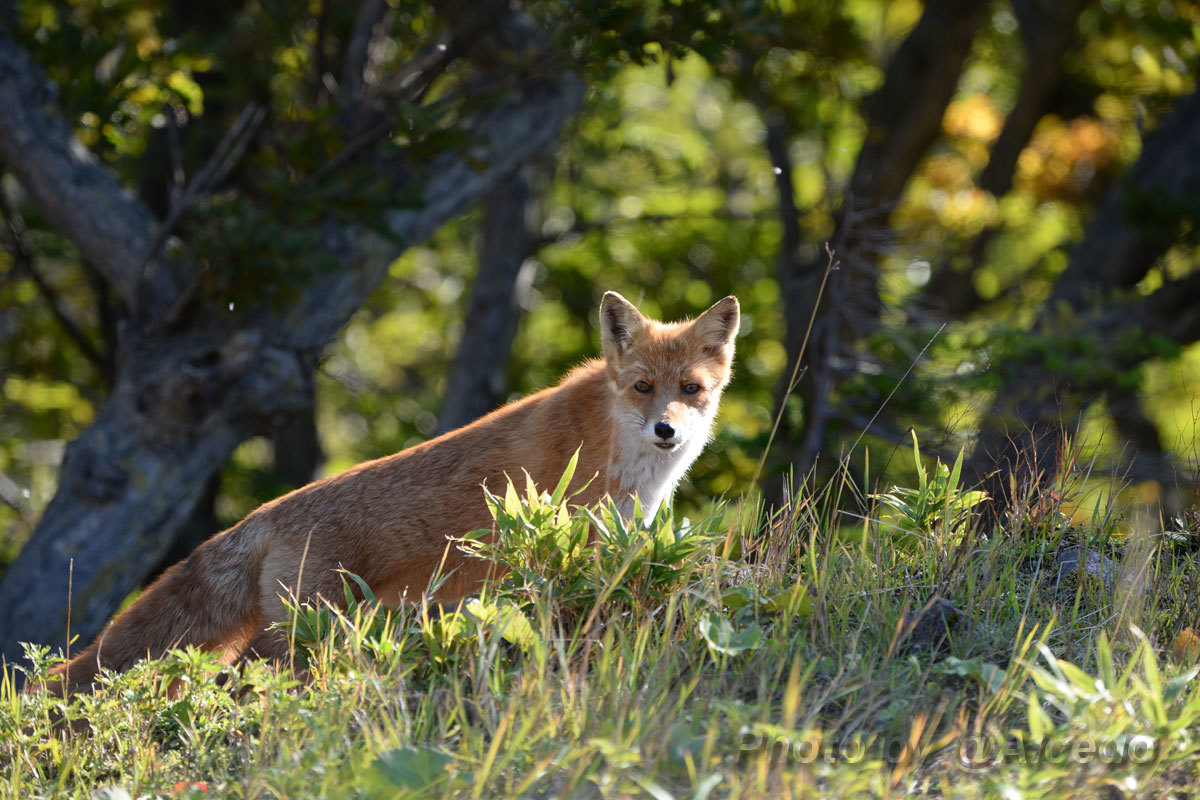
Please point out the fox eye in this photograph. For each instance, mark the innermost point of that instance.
(691, 388)
(643, 387)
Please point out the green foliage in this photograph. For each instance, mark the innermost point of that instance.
(582, 561)
(1111, 728)
(419, 770)
(938, 507)
(370, 627)
(723, 638)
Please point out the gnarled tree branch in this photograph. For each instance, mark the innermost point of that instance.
(185, 397)
(1049, 30)
(903, 118)
(80, 198)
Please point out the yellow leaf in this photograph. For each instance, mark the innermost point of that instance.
(1186, 647)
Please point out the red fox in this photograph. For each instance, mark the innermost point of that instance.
(638, 417)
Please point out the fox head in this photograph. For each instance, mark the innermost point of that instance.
(667, 378)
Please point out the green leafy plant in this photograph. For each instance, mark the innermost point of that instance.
(938, 507)
(579, 559)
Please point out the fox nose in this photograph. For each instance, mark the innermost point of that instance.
(663, 430)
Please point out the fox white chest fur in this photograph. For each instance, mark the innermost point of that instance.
(640, 467)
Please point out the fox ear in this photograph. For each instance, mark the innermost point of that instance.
(718, 326)
(620, 325)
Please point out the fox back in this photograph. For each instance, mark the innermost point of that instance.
(638, 418)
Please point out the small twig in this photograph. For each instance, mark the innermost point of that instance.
(795, 377)
(178, 177)
(70, 591)
(357, 62)
(443, 54)
(912, 365)
(352, 148)
(185, 298)
(296, 597)
(214, 179)
(380, 128)
(410, 83)
(228, 150)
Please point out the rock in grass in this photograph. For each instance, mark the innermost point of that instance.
(1088, 563)
(927, 628)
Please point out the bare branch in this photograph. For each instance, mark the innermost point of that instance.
(227, 153)
(1049, 35)
(356, 68)
(1049, 30)
(184, 398)
(23, 256)
(905, 115)
(370, 119)
(79, 197)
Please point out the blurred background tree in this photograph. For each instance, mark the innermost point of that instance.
(249, 243)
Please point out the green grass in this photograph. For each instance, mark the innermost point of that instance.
(733, 656)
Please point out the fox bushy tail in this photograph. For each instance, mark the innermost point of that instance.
(210, 600)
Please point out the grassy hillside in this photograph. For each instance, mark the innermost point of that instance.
(855, 645)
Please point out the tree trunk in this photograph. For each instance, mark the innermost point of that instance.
(1138, 221)
(297, 447)
(184, 398)
(297, 457)
(478, 378)
(1050, 30)
(200, 526)
(903, 119)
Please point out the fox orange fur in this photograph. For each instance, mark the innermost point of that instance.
(639, 417)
